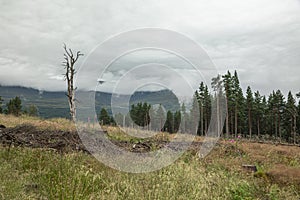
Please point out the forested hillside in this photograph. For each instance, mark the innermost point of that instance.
(54, 104)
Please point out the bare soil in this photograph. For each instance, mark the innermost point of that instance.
(27, 135)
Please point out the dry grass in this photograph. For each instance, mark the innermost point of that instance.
(219, 175)
(51, 124)
(284, 175)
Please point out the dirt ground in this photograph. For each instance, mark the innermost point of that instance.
(30, 136)
(27, 135)
(283, 160)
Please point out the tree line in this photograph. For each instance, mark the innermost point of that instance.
(146, 116)
(249, 114)
(14, 107)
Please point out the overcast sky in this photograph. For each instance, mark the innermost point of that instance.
(258, 38)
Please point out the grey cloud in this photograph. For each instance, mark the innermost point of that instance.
(259, 38)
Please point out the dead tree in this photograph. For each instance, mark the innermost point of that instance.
(69, 63)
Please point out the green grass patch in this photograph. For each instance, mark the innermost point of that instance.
(45, 174)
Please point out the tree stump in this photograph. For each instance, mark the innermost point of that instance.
(251, 168)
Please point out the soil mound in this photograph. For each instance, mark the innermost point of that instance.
(29, 136)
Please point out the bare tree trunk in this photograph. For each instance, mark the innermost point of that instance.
(69, 64)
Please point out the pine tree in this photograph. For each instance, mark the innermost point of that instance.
(227, 80)
(120, 119)
(152, 119)
(200, 98)
(279, 102)
(217, 86)
(238, 104)
(249, 100)
(177, 121)
(290, 117)
(14, 106)
(298, 115)
(104, 117)
(194, 115)
(207, 108)
(128, 120)
(258, 110)
(264, 116)
(204, 100)
(184, 118)
(169, 125)
(140, 114)
(1, 101)
(161, 116)
(32, 111)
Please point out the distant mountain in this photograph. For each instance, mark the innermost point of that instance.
(55, 104)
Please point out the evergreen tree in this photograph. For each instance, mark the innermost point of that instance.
(194, 115)
(217, 86)
(32, 110)
(152, 118)
(249, 100)
(228, 85)
(298, 116)
(184, 118)
(128, 120)
(169, 125)
(140, 114)
(104, 117)
(177, 121)
(238, 105)
(1, 101)
(279, 106)
(14, 106)
(202, 106)
(161, 116)
(264, 116)
(207, 108)
(258, 110)
(146, 117)
(290, 117)
(120, 119)
(272, 126)
(204, 100)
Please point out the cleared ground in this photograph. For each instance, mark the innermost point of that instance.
(45, 160)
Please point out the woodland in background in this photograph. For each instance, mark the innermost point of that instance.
(251, 115)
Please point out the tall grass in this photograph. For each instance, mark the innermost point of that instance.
(44, 174)
(50, 124)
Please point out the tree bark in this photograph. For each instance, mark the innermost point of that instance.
(69, 64)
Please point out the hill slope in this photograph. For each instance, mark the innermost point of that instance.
(55, 104)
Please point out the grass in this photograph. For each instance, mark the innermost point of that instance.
(50, 124)
(46, 174)
(115, 133)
